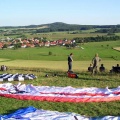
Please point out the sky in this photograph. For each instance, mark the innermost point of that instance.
(38, 12)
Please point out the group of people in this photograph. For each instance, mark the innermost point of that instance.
(101, 68)
(93, 67)
(115, 69)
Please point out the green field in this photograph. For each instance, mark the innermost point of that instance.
(28, 33)
(104, 49)
(65, 35)
(39, 56)
(84, 80)
(39, 62)
(57, 65)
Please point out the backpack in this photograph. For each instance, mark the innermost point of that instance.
(71, 74)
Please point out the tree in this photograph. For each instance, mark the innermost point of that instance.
(4, 46)
(16, 46)
(50, 53)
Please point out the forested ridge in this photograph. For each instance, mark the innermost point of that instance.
(59, 26)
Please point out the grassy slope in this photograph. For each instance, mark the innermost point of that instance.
(56, 35)
(85, 80)
(60, 53)
(40, 61)
(57, 65)
(38, 57)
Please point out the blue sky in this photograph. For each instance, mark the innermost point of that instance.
(37, 12)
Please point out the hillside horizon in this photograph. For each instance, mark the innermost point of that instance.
(48, 24)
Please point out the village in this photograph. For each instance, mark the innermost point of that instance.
(25, 43)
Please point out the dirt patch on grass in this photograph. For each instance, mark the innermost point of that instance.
(117, 48)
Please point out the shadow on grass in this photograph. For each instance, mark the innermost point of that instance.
(10, 112)
(43, 54)
(85, 78)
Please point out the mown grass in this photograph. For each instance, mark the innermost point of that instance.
(88, 109)
(38, 62)
(57, 65)
(104, 49)
(101, 80)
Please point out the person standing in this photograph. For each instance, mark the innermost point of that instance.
(70, 60)
(95, 62)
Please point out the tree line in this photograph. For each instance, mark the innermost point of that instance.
(96, 39)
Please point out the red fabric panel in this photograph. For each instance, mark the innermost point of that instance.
(3, 89)
(61, 99)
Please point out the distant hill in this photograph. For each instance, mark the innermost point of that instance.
(60, 26)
